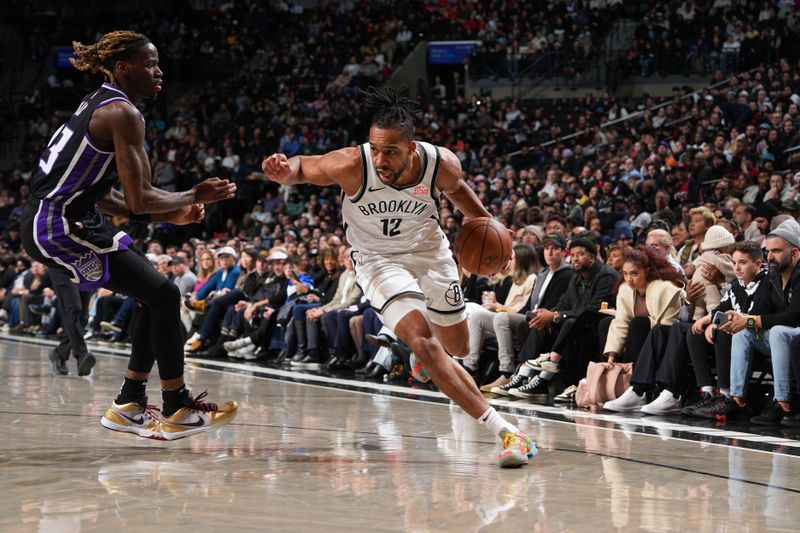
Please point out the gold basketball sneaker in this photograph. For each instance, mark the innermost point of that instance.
(141, 420)
(196, 417)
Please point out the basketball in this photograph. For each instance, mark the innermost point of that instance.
(483, 246)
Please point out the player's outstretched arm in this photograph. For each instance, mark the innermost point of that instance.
(456, 189)
(339, 167)
(127, 130)
(114, 204)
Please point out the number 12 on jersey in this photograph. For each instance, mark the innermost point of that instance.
(391, 226)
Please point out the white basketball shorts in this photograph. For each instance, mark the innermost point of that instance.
(430, 278)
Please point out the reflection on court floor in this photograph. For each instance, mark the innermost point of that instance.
(306, 458)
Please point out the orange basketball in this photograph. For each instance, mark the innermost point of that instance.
(483, 246)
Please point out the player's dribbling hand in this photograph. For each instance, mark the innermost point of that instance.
(214, 190)
(276, 167)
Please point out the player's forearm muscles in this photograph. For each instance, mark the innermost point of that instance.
(158, 201)
(296, 165)
(114, 204)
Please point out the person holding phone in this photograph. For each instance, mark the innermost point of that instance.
(773, 331)
(746, 295)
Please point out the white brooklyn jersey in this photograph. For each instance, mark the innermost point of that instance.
(384, 219)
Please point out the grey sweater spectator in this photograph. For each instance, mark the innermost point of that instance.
(184, 278)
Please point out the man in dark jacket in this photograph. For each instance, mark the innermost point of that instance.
(550, 285)
(592, 284)
(771, 333)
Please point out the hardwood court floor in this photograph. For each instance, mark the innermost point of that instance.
(308, 458)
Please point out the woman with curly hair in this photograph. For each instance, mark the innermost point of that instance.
(649, 299)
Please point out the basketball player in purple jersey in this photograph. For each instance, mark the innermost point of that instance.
(100, 145)
(391, 187)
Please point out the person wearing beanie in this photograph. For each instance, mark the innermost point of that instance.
(532, 234)
(773, 332)
(716, 253)
(623, 233)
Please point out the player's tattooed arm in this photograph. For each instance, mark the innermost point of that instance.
(339, 167)
(456, 189)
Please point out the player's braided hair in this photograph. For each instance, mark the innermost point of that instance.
(112, 47)
(390, 110)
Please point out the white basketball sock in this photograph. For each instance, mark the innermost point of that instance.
(525, 371)
(496, 423)
(707, 388)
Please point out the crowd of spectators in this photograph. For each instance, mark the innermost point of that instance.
(698, 37)
(279, 286)
(557, 37)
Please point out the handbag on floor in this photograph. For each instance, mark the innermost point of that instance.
(603, 382)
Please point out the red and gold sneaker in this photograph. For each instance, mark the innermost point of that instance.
(142, 420)
(197, 417)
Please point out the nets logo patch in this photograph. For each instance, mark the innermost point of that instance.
(453, 294)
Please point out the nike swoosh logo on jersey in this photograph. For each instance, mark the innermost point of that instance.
(371, 189)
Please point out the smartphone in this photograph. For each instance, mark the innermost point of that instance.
(530, 315)
(719, 318)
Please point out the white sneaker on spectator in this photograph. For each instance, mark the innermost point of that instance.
(248, 353)
(191, 340)
(535, 364)
(665, 404)
(236, 354)
(568, 396)
(237, 344)
(628, 402)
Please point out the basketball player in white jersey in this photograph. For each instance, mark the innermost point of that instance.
(391, 187)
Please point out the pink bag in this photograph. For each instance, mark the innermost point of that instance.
(603, 382)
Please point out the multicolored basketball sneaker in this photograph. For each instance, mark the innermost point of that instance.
(196, 417)
(140, 419)
(517, 448)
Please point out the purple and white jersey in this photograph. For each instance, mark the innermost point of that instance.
(73, 174)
